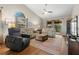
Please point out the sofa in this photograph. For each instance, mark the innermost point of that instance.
(17, 41)
(49, 31)
(30, 31)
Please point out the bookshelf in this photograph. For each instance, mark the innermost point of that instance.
(50, 24)
(22, 23)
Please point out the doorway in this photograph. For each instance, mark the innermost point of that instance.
(58, 26)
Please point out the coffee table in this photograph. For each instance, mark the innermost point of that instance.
(41, 37)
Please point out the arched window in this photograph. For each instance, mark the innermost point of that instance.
(19, 14)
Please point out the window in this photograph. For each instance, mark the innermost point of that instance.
(10, 22)
(78, 25)
(74, 26)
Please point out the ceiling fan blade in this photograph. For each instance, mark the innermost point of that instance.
(45, 10)
(50, 11)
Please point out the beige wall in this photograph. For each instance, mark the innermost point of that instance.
(9, 11)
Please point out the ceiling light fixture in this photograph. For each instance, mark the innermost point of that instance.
(46, 11)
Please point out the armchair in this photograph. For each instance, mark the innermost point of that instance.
(16, 41)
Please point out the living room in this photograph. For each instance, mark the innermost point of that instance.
(43, 25)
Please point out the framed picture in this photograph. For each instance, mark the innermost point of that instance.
(10, 22)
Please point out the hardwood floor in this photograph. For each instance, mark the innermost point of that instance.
(56, 46)
(73, 48)
(51, 46)
(28, 51)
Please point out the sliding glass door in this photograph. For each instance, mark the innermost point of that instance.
(74, 26)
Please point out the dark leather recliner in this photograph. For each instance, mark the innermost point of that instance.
(16, 41)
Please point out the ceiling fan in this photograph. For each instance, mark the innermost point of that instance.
(45, 11)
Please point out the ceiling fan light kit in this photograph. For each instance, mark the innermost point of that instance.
(46, 11)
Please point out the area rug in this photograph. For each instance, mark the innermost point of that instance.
(56, 46)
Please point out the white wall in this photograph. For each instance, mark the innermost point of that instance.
(9, 11)
(64, 26)
(75, 11)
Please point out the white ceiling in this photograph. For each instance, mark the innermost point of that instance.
(59, 10)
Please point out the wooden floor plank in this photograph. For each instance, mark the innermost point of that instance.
(28, 51)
